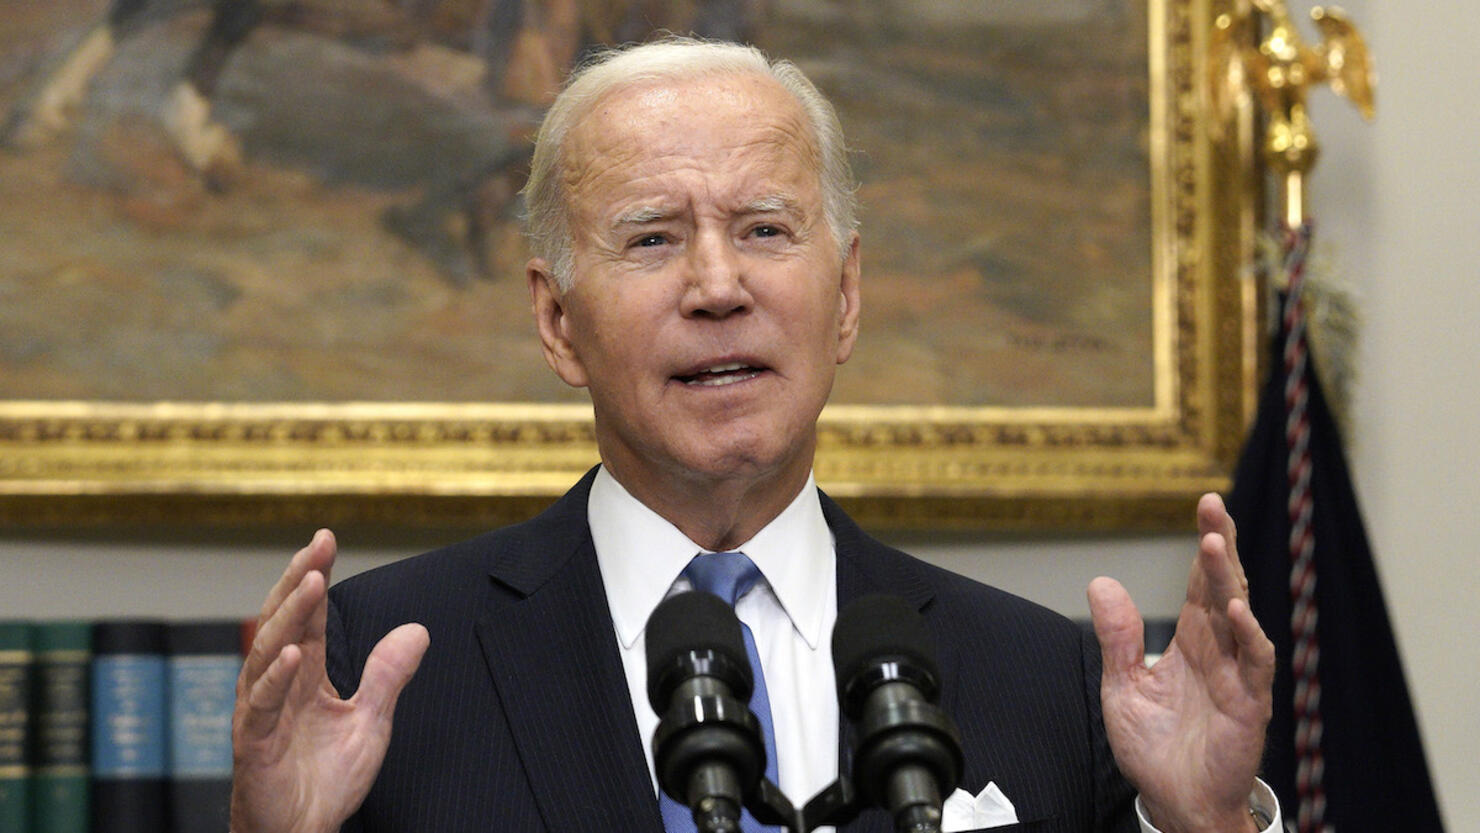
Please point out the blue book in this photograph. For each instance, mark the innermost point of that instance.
(203, 662)
(129, 729)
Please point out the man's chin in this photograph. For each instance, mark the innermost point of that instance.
(750, 466)
(739, 453)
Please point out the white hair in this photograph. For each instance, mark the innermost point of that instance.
(547, 220)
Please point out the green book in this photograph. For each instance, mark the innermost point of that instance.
(15, 711)
(59, 759)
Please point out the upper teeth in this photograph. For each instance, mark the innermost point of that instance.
(717, 375)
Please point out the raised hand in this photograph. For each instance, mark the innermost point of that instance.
(1189, 732)
(304, 757)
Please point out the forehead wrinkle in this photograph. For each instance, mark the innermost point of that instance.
(635, 136)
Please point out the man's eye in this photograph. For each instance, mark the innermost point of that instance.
(650, 240)
(767, 231)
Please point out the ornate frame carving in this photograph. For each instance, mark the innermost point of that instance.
(65, 463)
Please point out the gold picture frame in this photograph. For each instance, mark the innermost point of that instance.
(64, 463)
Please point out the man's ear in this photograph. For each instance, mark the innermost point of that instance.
(849, 298)
(551, 317)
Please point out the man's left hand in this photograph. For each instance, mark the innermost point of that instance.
(1189, 731)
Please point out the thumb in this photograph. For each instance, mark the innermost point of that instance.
(1118, 626)
(390, 666)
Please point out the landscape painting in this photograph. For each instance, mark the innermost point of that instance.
(316, 201)
(261, 260)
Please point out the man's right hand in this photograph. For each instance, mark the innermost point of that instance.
(305, 758)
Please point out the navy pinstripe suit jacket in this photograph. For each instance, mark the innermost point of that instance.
(519, 718)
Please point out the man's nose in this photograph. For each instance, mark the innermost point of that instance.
(716, 278)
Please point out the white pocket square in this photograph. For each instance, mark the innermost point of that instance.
(988, 808)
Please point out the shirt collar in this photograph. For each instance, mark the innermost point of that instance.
(641, 555)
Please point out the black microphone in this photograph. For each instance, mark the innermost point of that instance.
(708, 750)
(909, 751)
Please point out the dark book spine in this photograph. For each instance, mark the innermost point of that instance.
(129, 730)
(204, 660)
(15, 711)
(60, 759)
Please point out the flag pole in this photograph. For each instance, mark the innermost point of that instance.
(1281, 67)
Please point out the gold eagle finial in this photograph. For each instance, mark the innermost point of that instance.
(1259, 46)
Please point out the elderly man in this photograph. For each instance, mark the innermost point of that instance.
(697, 270)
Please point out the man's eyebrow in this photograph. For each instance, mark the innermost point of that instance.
(640, 215)
(772, 204)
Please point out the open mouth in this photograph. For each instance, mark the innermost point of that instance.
(721, 374)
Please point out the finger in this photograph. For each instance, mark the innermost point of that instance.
(1223, 580)
(318, 555)
(1118, 627)
(390, 666)
(314, 629)
(266, 696)
(287, 626)
(1212, 516)
(1220, 586)
(1256, 651)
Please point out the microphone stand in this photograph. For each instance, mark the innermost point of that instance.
(835, 805)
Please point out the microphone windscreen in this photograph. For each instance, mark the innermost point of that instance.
(686, 623)
(877, 629)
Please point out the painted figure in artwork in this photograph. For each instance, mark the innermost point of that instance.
(520, 49)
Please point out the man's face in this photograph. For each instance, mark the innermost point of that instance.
(709, 307)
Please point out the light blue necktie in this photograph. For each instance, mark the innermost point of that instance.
(729, 575)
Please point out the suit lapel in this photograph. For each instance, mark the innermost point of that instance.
(867, 566)
(551, 649)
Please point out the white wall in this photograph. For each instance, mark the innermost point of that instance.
(1402, 199)
(1396, 204)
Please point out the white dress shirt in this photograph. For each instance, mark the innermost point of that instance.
(790, 612)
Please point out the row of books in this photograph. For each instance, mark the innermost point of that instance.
(121, 726)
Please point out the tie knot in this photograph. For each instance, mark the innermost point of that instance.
(725, 574)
